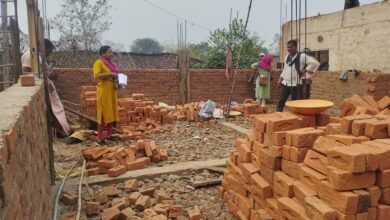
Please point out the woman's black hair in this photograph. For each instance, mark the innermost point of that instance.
(104, 49)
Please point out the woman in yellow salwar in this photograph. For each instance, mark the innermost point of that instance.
(105, 73)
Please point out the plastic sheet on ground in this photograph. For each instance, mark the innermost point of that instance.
(207, 109)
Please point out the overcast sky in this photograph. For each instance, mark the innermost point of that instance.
(133, 19)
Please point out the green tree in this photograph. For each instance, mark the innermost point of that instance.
(146, 46)
(81, 23)
(251, 43)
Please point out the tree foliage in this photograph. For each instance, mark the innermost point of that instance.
(146, 46)
(213, 52)
(81, 24)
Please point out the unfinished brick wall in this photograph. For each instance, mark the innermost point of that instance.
(326, 85)
(24, 154)
(159, 85)
(163, 85)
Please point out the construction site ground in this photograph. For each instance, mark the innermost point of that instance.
(186, 142)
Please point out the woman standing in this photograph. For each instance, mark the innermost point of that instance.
(263, 81)
(105, 73)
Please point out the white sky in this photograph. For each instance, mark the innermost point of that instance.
(133, 19)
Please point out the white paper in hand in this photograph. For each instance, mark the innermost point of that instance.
(122, 80)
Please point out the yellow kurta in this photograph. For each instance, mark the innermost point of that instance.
(107, 104)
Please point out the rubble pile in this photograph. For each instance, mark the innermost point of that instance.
(311, 167)
(116, 161)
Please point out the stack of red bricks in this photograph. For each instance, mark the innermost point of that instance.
(187, 112)
(250, 107)
(311, 167)
(116, 161)
(137, 115)
(357, 105)
(128, 201)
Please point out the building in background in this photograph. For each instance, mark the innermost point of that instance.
(357, 38)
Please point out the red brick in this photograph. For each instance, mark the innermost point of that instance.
(105, 163)
(317, 209)
(149, 190)
(160, 195)
(292, 169)
(161, 209)
(383, 178)
(282, 124)
(127, 213)
(344, 180)
(266, 158)
(362, 216)
(342, 216)
(384, 102)
(194, 214)
(131, 185)
(289, 208)
(143, 202)
(267, 173)
(333, 128)
(311, 178)
(111, 191)
(348, 139)
(163, 153)
(347, 158)
(248, 169)
(101, 197)
(301, 191)
(120, 203)
(385, 196)
(27, 80)
(297, 155)
(175, 211)
(278, 138)
(272, 205)
(245, 153)
(283, 185)
(136, 165)
(364, 200)
(316, 161)
(134, 197)
(375, 194)
(263, 188)
(377, 130)
(117, 171)
(323, 144)
(383, 212)
(322, 119)
(68, 198)
(286, 152)
(346, 122)
(359, 126)
(92, 208)
(141, 144)
(372, 213)
(306, 121)
(111, 214)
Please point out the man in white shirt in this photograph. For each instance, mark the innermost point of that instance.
(26, 57)
(298, 68)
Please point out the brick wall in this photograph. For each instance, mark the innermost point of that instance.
(24, 155)
(327, 86)
(163, 85)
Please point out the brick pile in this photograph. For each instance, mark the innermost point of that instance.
(310, 167)
(128, 201)
(249, 107)
(357, 105)
(137, 115)
(116, 161)
(187, 112)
